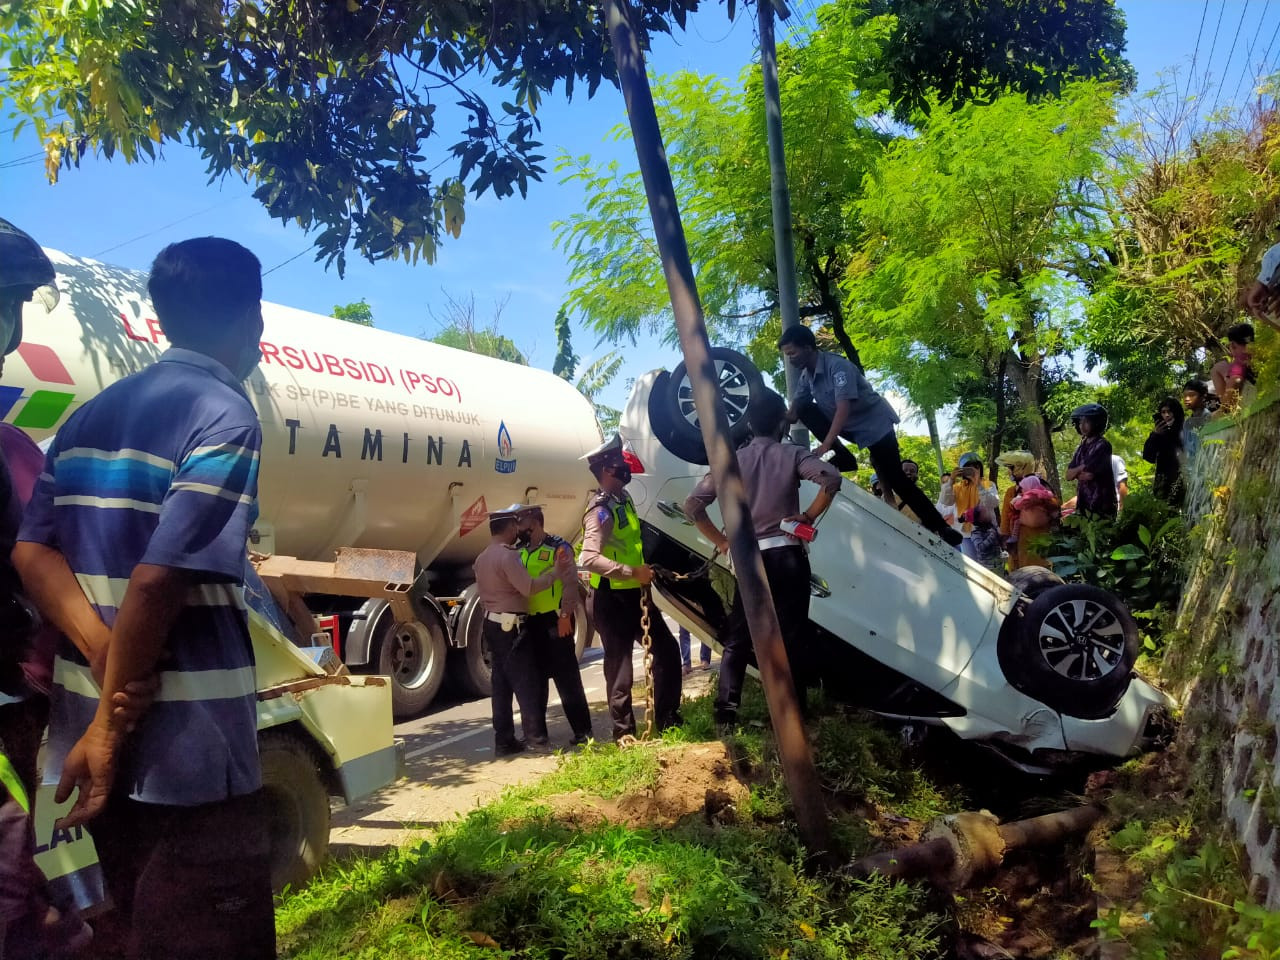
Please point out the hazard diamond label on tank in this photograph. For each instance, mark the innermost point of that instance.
(472, 517)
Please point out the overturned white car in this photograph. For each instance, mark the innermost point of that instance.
(1037, 670)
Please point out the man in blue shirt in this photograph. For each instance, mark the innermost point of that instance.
(134, 546)
(834, 400)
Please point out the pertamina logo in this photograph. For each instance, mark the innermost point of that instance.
(504, 462)
(43, 408)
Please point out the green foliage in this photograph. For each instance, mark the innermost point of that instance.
(510, 875)
(598, 375)
(359, 313)
(489, 343)
(329, 109)
(958, 52)
(566, 361)
(979, 232)
(1141, 556)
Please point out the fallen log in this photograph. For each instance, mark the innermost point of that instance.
(962, 846)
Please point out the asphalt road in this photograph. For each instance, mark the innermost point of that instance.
(451, 766)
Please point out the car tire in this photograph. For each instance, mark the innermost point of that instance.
(413, 655)
(679, 427)
(1034, 580)
(1075, 649)
(297, 808)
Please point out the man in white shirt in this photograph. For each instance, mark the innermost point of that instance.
(1260, 301)
(1121, 474)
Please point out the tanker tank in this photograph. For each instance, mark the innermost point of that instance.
(370, 438)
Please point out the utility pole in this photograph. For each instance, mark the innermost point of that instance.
(798, 769)
(783, 245)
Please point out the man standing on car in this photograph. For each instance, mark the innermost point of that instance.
(504, 587)
(144, 508)
(613, 554)
(834, 400)
(548, 632)
(771, 475)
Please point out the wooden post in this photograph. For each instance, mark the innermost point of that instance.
(793, 746)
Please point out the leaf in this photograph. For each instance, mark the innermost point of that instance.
(483, 940)
(1128, 551)
(1144, 535)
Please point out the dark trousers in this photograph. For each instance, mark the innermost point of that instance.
(787, 571)
(192, 883)
(886, 460)
(555, 656)
(617, 618)
(515, 673)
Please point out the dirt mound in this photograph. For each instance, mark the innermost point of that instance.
(693, 780)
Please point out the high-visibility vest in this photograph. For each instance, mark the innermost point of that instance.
(11, 782)
(625, 545)
(537, 562)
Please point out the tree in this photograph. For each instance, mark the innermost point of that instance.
(566, 362)
(957, 51)
(980, 231)
(459, 329)
(598, 375)
(715, 139)
(358, 312)
(1196, 202)
(329, 108)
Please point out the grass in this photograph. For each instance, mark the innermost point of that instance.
(511, 881)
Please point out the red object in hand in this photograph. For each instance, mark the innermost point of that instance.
(804, 531)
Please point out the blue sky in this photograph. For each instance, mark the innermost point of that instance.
(124, 214)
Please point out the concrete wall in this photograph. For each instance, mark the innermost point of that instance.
(1222, 662)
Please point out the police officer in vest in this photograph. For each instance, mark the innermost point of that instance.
(548, 632)
(612, 553)
(504, 586)
(771, 475)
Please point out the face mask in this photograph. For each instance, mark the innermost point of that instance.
(248, 362)
(623, 473)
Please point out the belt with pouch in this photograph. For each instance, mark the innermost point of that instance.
(780, 540)
(507, 621)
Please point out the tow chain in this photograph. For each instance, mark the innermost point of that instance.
(646, 643)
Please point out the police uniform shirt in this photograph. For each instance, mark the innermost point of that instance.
(835, 378)
(597, 531)
(771, 475)
(568, 595)
(502, 581)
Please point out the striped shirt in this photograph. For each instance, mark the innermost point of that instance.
(162, 468)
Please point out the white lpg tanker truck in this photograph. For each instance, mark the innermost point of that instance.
(381, 456)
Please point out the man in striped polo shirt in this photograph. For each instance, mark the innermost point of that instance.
(134, 546)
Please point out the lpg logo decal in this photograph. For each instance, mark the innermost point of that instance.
(43, 408)
(504, 462)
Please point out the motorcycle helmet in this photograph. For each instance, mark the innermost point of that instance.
(25, 272)
(1093, 411)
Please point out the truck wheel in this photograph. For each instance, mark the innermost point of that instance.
(412, 654)
(1076, 650)
(738, 381)
(472, 674)
(297, 808)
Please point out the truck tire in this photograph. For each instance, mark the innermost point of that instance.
(1074, 649)
(297, 808)
(680, 430)
(412, 654)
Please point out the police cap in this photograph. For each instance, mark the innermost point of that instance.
(506, 513)
(608, 451)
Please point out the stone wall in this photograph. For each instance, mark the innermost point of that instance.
(1222, 662)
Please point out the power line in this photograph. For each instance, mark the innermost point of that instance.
(1266, 57)
(173, 223)
(1248, 57)
(1218, 95)
(1213, 45)
(1191, 75)
(22, 161)
(286, 262)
